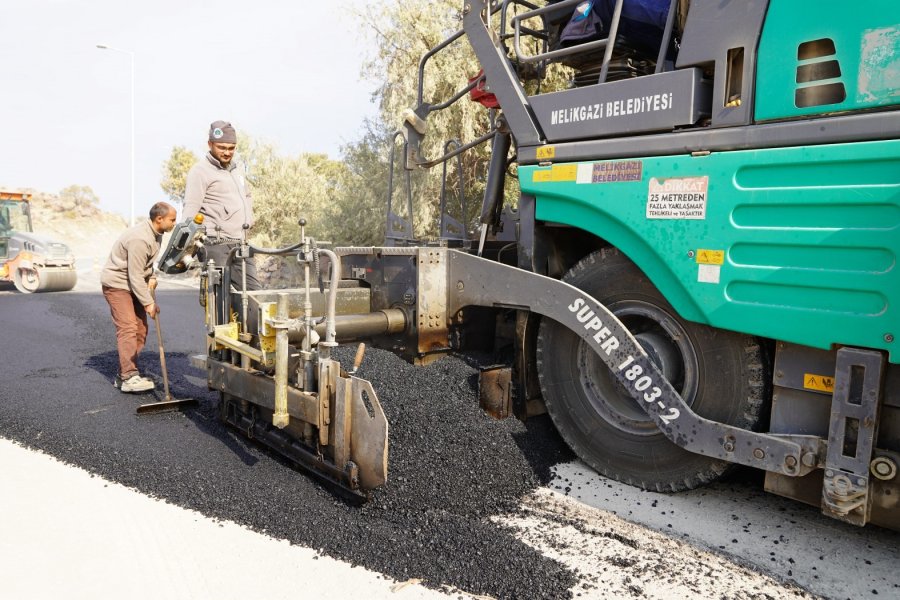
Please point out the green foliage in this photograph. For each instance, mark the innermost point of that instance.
(340, 200)
(345, 201)
(404, 32)
(174, 173)
(357, 216)
(78, 196)
(287, 188)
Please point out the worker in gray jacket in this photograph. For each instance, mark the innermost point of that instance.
(217, 189)
(128, 283)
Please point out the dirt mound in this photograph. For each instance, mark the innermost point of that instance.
(87, 230)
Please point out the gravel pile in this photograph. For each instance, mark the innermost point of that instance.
(451, 467)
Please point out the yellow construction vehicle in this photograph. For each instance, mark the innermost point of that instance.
(34, 263)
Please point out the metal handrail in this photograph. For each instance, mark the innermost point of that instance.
(667, 37)
(506, 3)
(420, 92)
(613, 33)
(577, 49)
(421, 88)
(480, 140)
(456, 96)
(516, 24)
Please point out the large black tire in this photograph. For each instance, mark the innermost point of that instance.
(718, 373)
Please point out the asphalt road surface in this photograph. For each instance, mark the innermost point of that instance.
(488, 508)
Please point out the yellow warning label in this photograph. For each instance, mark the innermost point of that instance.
(564, 173)
(546, 152)
(822, 383)
(556, 173)
(710, 257)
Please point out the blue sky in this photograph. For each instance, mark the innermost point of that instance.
(286, 72)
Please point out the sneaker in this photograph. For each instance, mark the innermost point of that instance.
(136, 383)
(117, 382)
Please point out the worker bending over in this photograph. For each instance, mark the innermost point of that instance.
(128, 283)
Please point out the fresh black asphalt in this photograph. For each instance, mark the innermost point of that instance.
(451, 467)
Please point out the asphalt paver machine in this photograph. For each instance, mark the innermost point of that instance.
(700, 269)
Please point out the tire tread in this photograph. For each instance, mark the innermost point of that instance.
(753, 374)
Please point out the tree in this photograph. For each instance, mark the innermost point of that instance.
(286, 189)
(345, 201)
(78, 196)
(403, 33)
(283, 188)
(174, 173)
(356, 212)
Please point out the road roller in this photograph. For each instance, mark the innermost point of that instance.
(33, 262)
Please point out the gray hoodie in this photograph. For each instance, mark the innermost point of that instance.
(220, 194)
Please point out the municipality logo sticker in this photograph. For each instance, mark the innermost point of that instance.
(217, 133)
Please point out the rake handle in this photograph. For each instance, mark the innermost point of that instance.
(162, 351)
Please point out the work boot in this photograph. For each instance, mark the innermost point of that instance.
(133, 384)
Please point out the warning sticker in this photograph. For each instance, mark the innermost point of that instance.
(556, 173)
(708, 273)
(546, 152)
(564, 172)
(677, 198)
(710, 257)
(821, 383)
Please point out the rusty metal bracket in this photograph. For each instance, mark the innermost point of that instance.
(433, 321)
(851, 436)
(495, 390)
(368, 434)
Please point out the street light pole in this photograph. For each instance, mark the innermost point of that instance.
(131, 55)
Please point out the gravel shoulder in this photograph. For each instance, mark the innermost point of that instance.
(615, 558)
